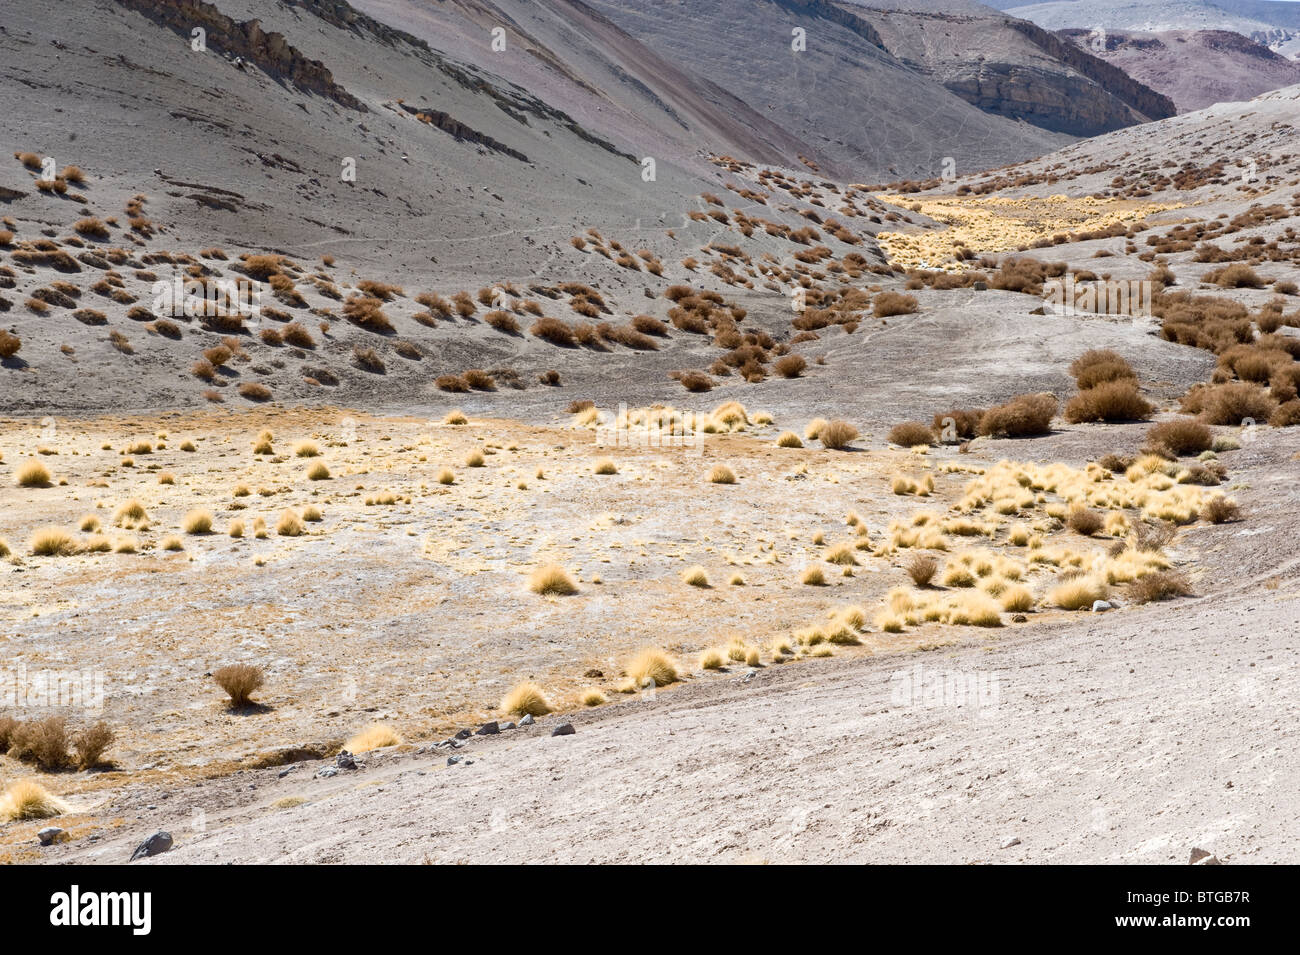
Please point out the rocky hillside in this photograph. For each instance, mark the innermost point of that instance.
(1194, 68)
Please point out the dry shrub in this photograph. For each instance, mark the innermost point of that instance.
(365, 311)
(1221, 510)
(649, 325)
(90, 743)
(502, 322)
(910, 433)
(254, 391)
(480, 379)
(1100, 365)
(1181, 436)
(1159, 585)
(788, 439)
(1021, 417)
(922, 568)
(526, 699)
(453, 383)
(9, 344)
(790, 366)
(1287, 414)
(695, 381)
(552, 579)
(367, 359)
(836, 435)
(1085, 521)
(554, 331)
(91, 228)
(42, 742)
(964, 422)
(240, 681)
(1232, 402)
(1115, 400)
(1237, 275)
(893, 303)
(298, 336)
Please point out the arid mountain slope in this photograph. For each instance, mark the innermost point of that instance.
(1194, 68)
(1270, 22)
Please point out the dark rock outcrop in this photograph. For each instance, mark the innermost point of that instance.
(246, 39)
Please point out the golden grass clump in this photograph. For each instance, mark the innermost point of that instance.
(526, 699)
(318, 471)
(721, 474)
(53, 542)
(4, 548)
(712, 659)
(446, 476)
(306, 449)
(1016, 598)
(593, 697)
(552, 579)
(788, 439)
(198, 521)
(456, 417)
(836, 435)
(606, 466)
(374, 736)
(289, 524)
(475, 459)
(652, 667)
(240, 681)
(1078, 593)
(695, 576)
(28, 799)
(813, 576)
(33, 474)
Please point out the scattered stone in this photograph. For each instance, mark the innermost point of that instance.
(594, 675)
(1013, 841)
(156, 844)
(345, 760)
(507, 726)
(1101, 606)
(285, 772)
(1020, 618)
(980, 286)
(51, 835)
(1201, 857)
(527, 720)
(453, 760)
(564, 729)
(489, 729)
(327, 772)
(749, 675)
(464, 734)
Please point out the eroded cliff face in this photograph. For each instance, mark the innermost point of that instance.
(1057, 101)
(1015, 69)
(246, 39)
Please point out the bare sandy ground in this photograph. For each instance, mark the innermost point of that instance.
(1130, 736)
